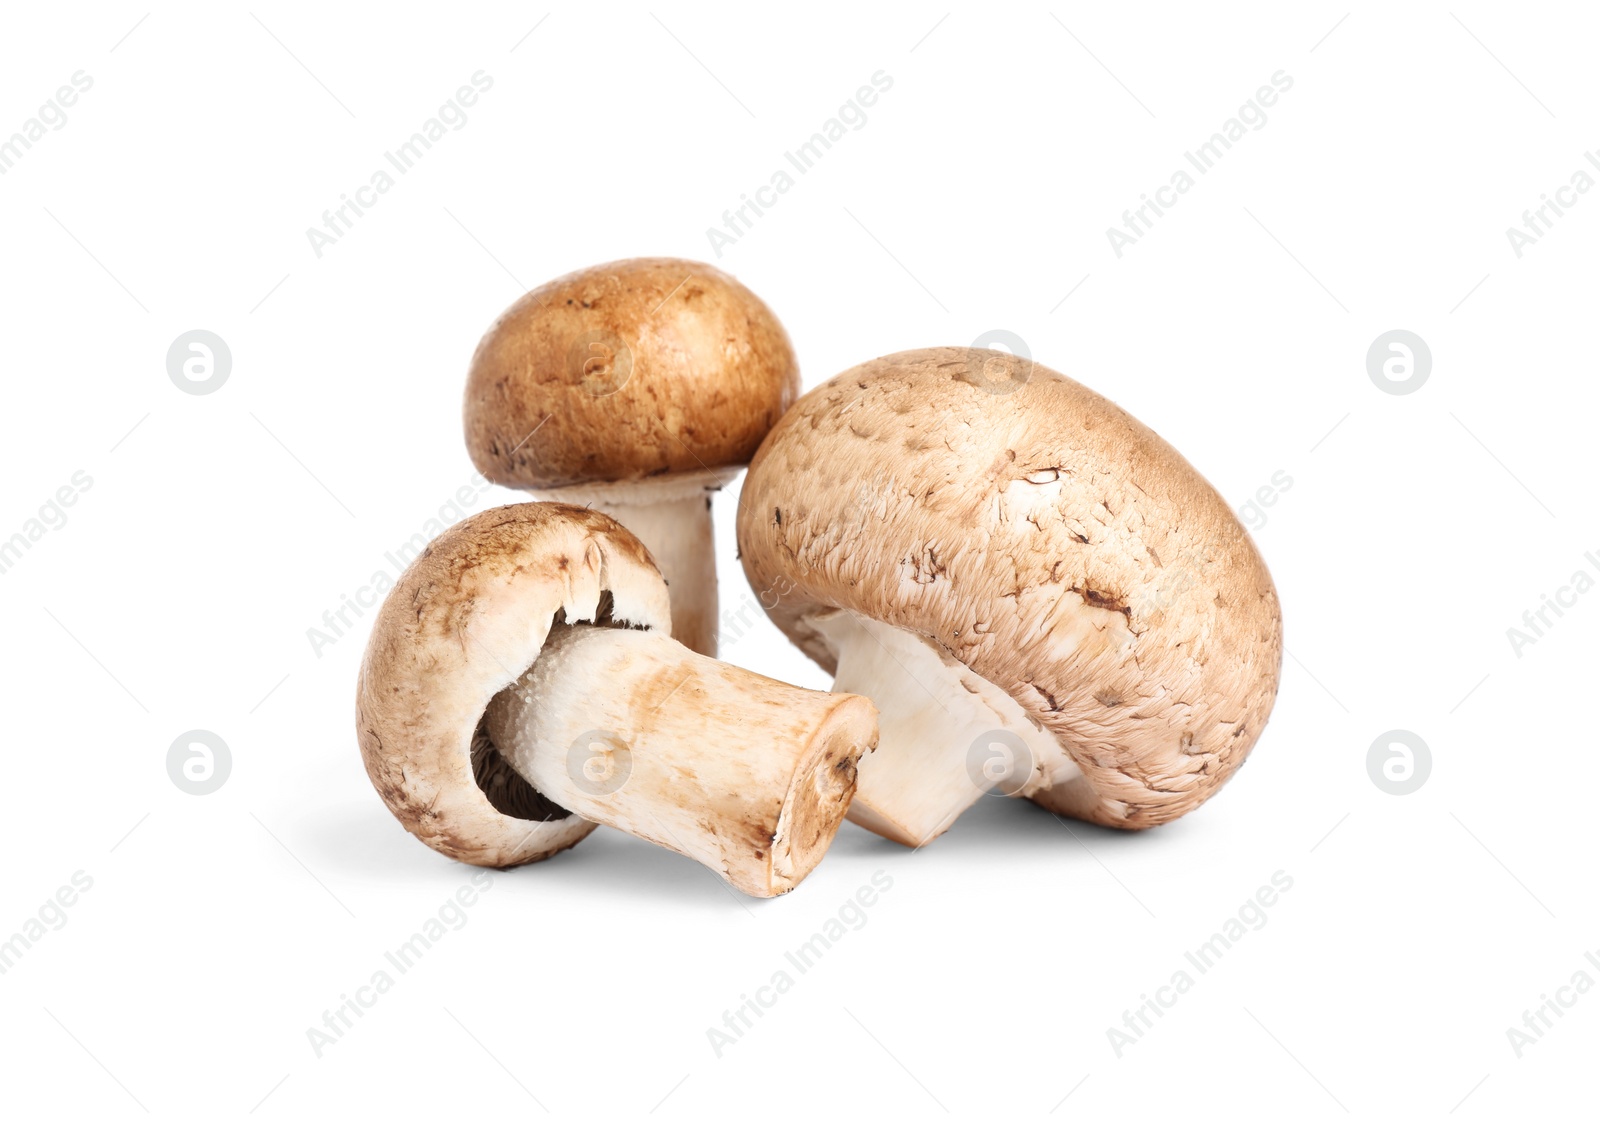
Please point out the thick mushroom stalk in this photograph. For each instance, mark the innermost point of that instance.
(749, 776)
(946, 735)
(677, 531)
(610, 721)
(672, 518)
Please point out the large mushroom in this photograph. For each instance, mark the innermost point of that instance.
(638, 387)
(1035, 590)
(520, 686)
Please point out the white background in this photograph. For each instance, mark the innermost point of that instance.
(219, 528)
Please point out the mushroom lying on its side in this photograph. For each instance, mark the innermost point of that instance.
(520, 685)
(639, 387)
(1034, 589)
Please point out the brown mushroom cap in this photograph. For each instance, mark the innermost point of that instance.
(634, 369)
(467, 618)
(1047, 540)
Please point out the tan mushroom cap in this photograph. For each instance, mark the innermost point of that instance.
(1047, 540)
(464, 621)
(630, 370)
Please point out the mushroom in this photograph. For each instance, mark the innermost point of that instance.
(638, 387)
(1036, 591)
(520, 685)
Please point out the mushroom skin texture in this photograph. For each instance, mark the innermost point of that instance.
(639, 387)
(952, 523)
(770, 768)
(524, 636)
(466, 618)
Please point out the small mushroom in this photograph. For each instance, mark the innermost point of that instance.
(1035, 590)
(639, 387)
(520, 685)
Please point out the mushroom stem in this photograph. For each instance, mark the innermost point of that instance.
(946, 735)
(677, 530)
(747, 775)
